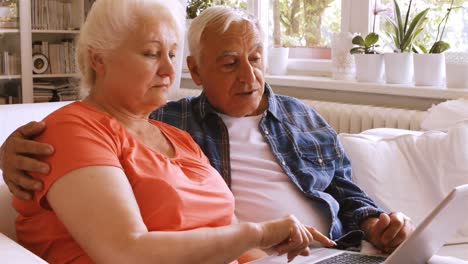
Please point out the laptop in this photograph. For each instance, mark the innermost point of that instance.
(428, 237)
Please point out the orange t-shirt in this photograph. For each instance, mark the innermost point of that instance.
(179, 193)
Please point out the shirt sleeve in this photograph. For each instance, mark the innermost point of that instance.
(355, 205)
(78, 142)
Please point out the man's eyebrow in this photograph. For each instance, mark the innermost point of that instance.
(227, 53)
(258, 46)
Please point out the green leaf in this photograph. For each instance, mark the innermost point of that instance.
(371, 39)
(414, 27)
(357, 50)
(358, 40)
(395, 37)
(401, 29)
(439, 47)
(420, 49)
(409, 43)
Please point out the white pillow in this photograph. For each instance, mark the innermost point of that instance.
(445, 115)
(411, 171)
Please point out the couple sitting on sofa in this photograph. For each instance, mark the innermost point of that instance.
(123, 187)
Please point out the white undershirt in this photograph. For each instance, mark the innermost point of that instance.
(261, 189)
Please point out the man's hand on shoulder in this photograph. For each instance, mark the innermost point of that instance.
(387, 231)
(16, 159)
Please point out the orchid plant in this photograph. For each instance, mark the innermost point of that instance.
(405, 30)
(368, 44)
(439, 45)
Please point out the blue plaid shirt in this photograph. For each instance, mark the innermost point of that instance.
(305, 146)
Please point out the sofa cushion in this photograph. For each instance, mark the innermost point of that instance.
(16, 115)
(410, 171)
(445, 115)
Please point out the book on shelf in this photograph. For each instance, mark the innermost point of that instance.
(61, 56)
(8, 99)
(55, 91)
(51, 85)
(52, 15)
(9, 63)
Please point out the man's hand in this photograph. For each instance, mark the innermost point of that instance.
(16, 160)
(387, 231)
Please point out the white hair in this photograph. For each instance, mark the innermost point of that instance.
(223, 15)
(110, 22)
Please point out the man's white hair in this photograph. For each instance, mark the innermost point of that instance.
(222, 15)
(110, 22)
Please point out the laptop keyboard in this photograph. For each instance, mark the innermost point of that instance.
(347, 258)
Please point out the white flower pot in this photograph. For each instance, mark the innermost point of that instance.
(456, 66)
(369, 67)
(429, 69)
(457, 75)
(278, 60)
(399, 68)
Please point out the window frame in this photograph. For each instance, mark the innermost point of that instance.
(352, 20)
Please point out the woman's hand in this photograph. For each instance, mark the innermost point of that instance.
(288, 235)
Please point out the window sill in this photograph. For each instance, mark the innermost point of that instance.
(327, 89)
(327, 83)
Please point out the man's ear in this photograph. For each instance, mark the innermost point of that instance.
(194, 70)
(96, 61)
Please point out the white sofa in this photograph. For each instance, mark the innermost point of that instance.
(12, 116)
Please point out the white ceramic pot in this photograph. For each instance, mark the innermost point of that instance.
(369, 67)
(278, 60)
(429, 69)
(399, 68)
(457, 75)
(456, 66)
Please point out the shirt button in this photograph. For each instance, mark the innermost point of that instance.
(266, 132)
(320, 161)
(283, 163)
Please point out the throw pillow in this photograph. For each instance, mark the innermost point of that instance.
(410, 172)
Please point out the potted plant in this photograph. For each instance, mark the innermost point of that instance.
(278, 60)
(195, 7)
(369, 62)
(399, 64)
(429, 65)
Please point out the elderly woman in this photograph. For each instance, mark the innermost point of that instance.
(126, 189)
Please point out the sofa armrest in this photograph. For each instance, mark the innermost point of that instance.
(12, 252)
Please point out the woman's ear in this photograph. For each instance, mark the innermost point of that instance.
(194, 70)
(96, 61)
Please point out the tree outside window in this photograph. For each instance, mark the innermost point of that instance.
(304, 25)
(195, 7)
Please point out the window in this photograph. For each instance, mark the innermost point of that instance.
(456, 32)
(236, 3)
(305, 26)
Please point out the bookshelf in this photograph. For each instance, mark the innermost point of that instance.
(43, 26)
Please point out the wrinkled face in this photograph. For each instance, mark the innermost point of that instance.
(231, 69)
(139, 72)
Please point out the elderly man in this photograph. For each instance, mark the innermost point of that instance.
(277, 155)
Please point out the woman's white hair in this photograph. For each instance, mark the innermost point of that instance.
(110, 22)
(220, 15)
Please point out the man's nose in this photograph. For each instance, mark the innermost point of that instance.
(246, 72)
